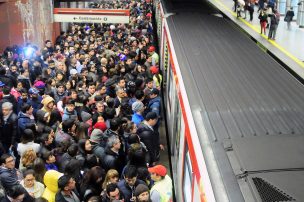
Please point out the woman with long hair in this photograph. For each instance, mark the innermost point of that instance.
(39, 168)
(85, 150)
(112, 176)
(92, 182)
(27, 160)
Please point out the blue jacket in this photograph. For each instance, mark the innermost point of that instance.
(8, 177)
(20, 102)
(69, 115)
(154, 105)
(36, 103)
(137, 118)
(24, 122)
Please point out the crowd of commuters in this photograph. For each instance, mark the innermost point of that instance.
(80, 119)
(269, 16)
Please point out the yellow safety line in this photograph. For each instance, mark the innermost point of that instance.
(299, 62)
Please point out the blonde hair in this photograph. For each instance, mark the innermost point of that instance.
(110, 174)
(28, 157)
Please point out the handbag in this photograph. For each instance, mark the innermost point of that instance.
(287, 18)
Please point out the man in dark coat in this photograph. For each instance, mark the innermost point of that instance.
(8, 81)
(8, 127)
(112, 193)
(67, 190)
(8, 172)
(17, 193)
(149, 137)
(129, 183)
(274, 22)
(113, 159)
(7, 97)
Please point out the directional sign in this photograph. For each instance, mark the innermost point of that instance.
(91, 15)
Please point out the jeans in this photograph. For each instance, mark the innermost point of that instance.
(272, 31)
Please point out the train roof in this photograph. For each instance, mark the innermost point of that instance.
(251, 108)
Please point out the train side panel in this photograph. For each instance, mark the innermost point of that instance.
(190, 174)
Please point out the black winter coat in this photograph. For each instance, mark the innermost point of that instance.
(7, 80)
(113, 160)
(8, 129)
(150, 139)
(60, 198)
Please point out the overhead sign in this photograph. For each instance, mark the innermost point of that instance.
(91, 15)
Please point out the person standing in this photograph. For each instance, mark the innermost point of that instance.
(9, 175)
(67, 190)
(274, 22)
(288, 17)
(8, 127)
(142, 193)
(263, 21)
(250, 8)
(162, 188)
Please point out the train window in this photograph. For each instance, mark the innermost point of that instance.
(169, 92)
(177, 127)
(187, 184)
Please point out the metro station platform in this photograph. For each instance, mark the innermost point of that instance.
(288, 47)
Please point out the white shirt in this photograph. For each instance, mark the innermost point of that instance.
(21, 148)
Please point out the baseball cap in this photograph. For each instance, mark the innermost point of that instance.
(33, 91)
(151, 49)
(154, 69)
(149, 15)
(159, 170)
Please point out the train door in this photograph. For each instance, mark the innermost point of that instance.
(187, 177)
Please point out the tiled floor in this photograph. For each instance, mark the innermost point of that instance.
(291, 40)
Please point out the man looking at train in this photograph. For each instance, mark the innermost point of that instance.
(149, 137)
(162, 188)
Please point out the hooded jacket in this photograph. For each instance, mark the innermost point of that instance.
(54, 115)
(45, 102)
(50, 180)
(155, 105)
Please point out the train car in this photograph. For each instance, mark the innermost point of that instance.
(234, 115)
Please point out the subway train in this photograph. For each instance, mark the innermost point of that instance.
(234, 115)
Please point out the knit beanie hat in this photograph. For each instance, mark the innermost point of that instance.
(137, 106)
(96, 135)
(141, 188)
(85, 116)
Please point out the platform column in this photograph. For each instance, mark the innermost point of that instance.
(300, 18)
(288, 5)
